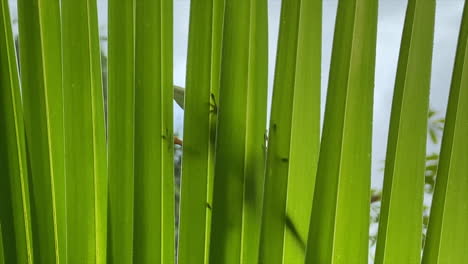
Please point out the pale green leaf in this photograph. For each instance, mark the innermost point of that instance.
(179, 95)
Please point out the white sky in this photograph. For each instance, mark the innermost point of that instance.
(391, 17)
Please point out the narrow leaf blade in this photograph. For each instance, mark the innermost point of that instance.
(41, 76)
(400, 227)
(294, 135)
(203, 70)
(121, 125)
(85, 142)
(447, 231)
(154, 186)
(15, 219)
(239, 161)
(340, 211)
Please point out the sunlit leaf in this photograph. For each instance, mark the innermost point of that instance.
(85, 137)
(203, 77)
(400, 227)
(447, 237)
(294, 135)
(240, 157)
(153, 240)
(121, 129)
(339, 223)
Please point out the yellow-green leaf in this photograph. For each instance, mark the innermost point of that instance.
(447, 237)
(85, 136)
(294, 134)
(339, 221)
(203, 76)
(240, 157)
(121, 129)
(154, 185)
(400, 227)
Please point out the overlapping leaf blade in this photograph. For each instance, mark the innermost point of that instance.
(121, 126)
(154, 184)
(400, 227)
(15, 219)
(294, 135)
(447, 232)
(41, 76)
(340, 211)
(203, 70)
(239, 161)
(85, 141)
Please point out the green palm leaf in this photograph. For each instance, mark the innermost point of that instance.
(41, 68)
(399, 237)
(294, 135)
(154, 184)
(203, 76)
(85, 142)
(121, 129)
(240, 157)
(340, 211)
(15, 219)
(447, 232)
